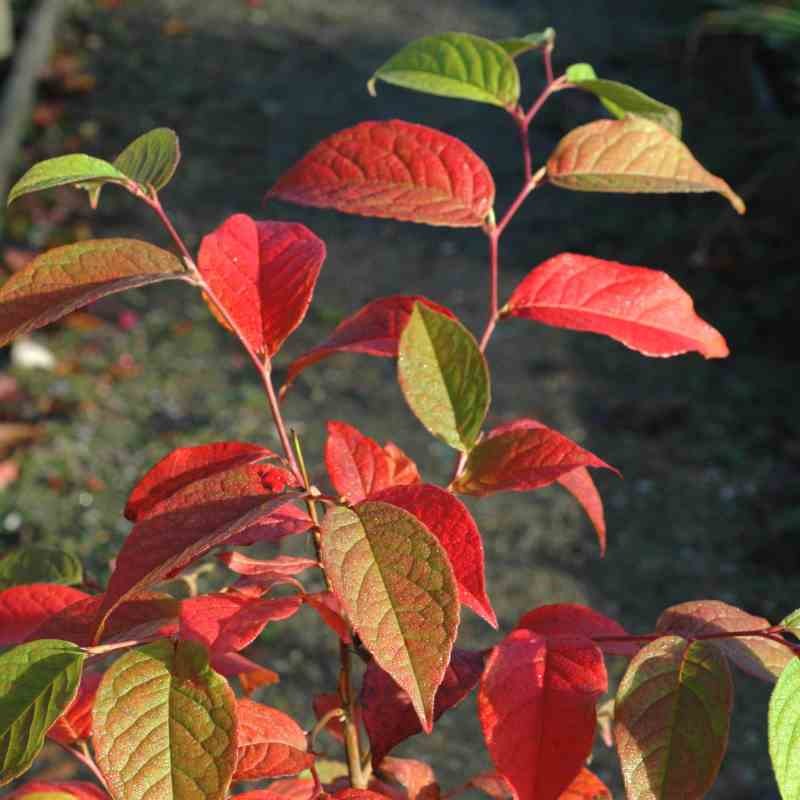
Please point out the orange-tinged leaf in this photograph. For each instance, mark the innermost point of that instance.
(416, 777)
(631, 155)
(330, 612)
(587, 786)
(53, 790)
(402, 470)
(23, 609)
(76, 722)
(493, 784)
(642, 308)
(672, 715)
(66, 278)
(357, 465)
(396, 585)
(393, 169)
(279, 566)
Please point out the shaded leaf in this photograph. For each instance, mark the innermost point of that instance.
(76, 721)
(37, 682)
(270, 743)
(631, 155)
(672, 715)
(394, 582)
(642, 308)
(536, 705)
(757, 656)
(65, 278)
(448, 519)
(587, 786)
(374, 330)
(58, 790)
(516, 46)
(393, 169)
(151, 159)
(263, 274)
(34, 564)
(416, 777)
(457, 65)
(325, 703)
(493, 784)
(24, 608)
(165, 725)
(784, 731)
(389, 717)
(444, 377)
(330, 612)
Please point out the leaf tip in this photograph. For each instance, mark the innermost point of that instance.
(371, 86)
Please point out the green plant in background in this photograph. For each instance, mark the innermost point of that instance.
(134, 682)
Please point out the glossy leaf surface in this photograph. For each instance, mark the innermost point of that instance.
(37, 682)
(395, 583)
(536, 705)
(644, 309)
(33, 564)
(393, 169)
(65, 278)
(757, 656)
(456, 65)
(151, 159)
(784, 731)
(24, 608)
(516, 46)
(374, 330)
(672, 715)
(165, 725)
(444, 377)
(631, 155)
(448, 519)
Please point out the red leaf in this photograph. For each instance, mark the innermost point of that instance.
(252, 676)
(187, 465)
(642, 308)
(493, 784)
(571, 619)
(330, 611)
(263, 274)
(270, 744)
(282, 565)
(393, 169)
(448, 519)
(402, 470)
(290, 789)
(358, 794)
(24, 608)
(81, 790)
(521, 456)
(536, 705)
(374, 330)
(76, 722)
(322, 704)
(416, 777)
(587, 786)
(389, 717)
(289, 520)
(357, 465)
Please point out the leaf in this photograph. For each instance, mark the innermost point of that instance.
(58, 790)
(76, 721)
(757, 656)
(187, 465)
(263, 275)
(66, 278)
(493, 784)
(374, 330)
(456, 65)
(270, 743)
(536, 705)
(393, 169)
(330, 612)
(791, 623)
(395, 584)
(444, 377)
(389, 718)
(187, 525)
(515, 47)
(402, 470)
(35, 564)
(580, 484)
(631, 155)
(416, 777)
(580, 72)
(65, 170)
(37, 682)
(24, 608)
(448, 519)
(572, 619)
(281, 565)
(672, 715)
(165, 725)
(587, 786)
(520, 457)
(642, 308)
(356, 464)
(783, 730)
(151, 159)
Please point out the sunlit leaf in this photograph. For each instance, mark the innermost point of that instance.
(784, 731)
(24, 608)
(457, 65)
(395, 583)
(444, 377)
(33, 564)
(416, 777)
(356, 464)
(631, 155)
(165, 725)
(580, 72)
(587, 786)
(151, 159)
(515, 47)
(672, 715)
(791, 622)
(58, 790)
(280, 565)
(65, 278)
(393, 169)
(37, 682)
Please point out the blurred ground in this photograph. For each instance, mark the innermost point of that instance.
(710, 450)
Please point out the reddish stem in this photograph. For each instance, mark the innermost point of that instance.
(772, 633)
(85, 757)
(547, 57)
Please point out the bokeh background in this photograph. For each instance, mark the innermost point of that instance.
(710, 451)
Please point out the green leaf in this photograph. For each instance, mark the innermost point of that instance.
(532, 41)
(444, 377)
(66, 170)
(791, 623)
(580, 72)
(396, 584)
(39, 565)
(165, 725)
(151, 159)
(38, 681)
(783, 730)
(454, 65)
(66, 278)
(672, 715)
